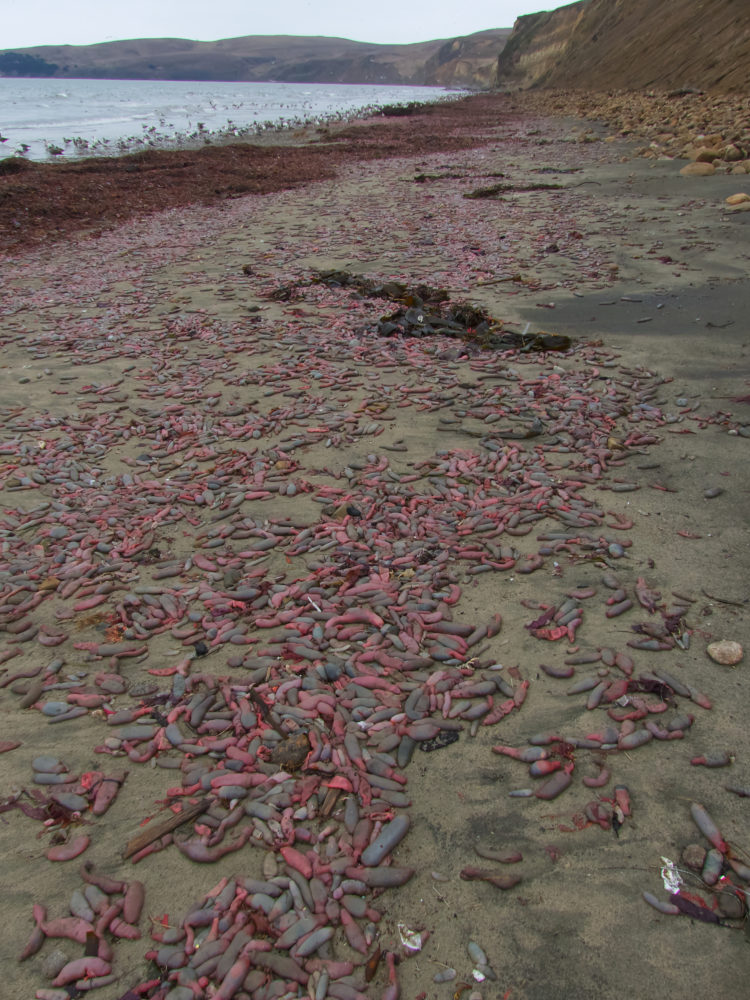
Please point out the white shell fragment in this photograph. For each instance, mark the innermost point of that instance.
(726, 652)
(411, 940)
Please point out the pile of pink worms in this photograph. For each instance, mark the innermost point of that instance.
(236, 493)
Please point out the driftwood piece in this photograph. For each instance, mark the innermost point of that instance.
(157, 828)
(329, 802)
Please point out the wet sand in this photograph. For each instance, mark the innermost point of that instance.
(151, 346)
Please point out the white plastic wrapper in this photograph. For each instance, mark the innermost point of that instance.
(670, 876)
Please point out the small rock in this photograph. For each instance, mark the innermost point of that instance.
(732, 153)
(694, 856)
(726, 652)
(737, 199)
(291, 753)
(270, 865)
(698, 170)
(446, 975)
(53, 963)
(141, 689)
(708, 154)
(731, 904)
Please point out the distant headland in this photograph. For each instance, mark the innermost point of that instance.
(469, 61)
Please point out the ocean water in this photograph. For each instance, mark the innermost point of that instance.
(109, 117)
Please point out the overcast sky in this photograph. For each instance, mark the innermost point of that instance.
(81, 22)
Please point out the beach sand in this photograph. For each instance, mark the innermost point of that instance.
(139, 361)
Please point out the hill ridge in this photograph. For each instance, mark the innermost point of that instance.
(466, 61)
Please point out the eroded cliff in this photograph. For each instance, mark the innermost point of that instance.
(631, 45)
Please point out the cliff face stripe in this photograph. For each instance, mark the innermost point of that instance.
(608, 44)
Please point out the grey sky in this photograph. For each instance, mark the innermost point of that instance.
(25, 23)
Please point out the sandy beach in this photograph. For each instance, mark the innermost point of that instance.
(245, 513)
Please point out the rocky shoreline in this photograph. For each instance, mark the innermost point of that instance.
(681, 124)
